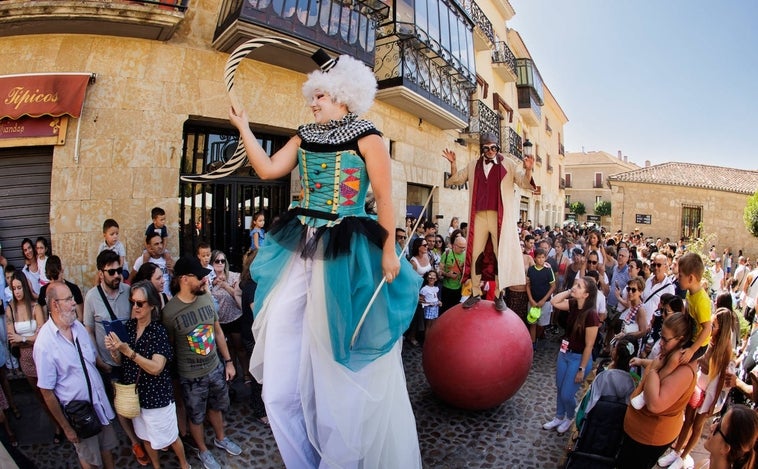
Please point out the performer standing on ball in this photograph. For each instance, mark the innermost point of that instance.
(492, 178)
(331, 405)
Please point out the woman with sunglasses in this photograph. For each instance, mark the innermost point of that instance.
(732, 441)
(223, 289)
(634, 321)
(143, 358)
(652, 428)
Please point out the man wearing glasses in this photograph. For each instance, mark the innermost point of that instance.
(96, 312)
(658, 284)
(492, 212)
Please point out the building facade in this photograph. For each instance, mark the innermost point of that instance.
(155, 112)
(675, 200)
(586, 181)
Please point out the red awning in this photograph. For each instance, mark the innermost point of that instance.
(37, 95)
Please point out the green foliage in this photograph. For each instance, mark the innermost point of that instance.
(578, 208)
(603, 208)
(750, 216)
(701, 246)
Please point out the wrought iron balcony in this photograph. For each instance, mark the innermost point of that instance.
(146, 19)
(424, 85)
(483, 119)
(483, 24)
(504, 62)
(341, 26)
(514, 144)
(561, 150)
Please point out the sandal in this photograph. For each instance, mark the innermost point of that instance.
(59, 437)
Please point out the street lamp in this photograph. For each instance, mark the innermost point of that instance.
(528, 150)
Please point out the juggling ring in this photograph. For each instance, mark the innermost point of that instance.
(239, 158)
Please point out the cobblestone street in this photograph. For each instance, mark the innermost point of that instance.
(507, 436)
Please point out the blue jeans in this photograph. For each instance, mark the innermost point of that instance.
(568, 365)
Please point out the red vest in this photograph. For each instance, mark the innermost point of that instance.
(487, 189)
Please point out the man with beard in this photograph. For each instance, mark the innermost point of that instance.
(109, 301)
(194, 332)
(61, 379)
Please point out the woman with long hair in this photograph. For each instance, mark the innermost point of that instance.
(42, 251)
(733, 439)
(655, 425)
(23, 320)
(153, 273)
(223, 287)
(704, 401)
(575, 356)
(31, 266)
(420, 259)
(595, 244)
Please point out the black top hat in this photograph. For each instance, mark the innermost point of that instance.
(323, 60)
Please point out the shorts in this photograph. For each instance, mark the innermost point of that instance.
(431, 312)
(89, 450)
(547, 310)
(201, 393)
(234, 327)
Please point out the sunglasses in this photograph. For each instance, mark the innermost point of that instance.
(592, 262)
(220, 261)
(424, 244)
(490, 147)
(717, 421)
(138, 304)
(438, 242)
(401, 237)
(112, 272)
(657, 264)
(631, 289)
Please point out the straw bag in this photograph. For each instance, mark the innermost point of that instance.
(126, 400)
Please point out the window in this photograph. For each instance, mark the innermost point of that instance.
(692, 217)
(568, 180)
(598, 199)
(568, 199)
(598, 181)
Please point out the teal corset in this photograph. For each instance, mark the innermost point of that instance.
(334, 183)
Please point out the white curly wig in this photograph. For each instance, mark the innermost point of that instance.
(349, 82)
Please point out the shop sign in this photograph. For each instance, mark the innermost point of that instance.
(30, 131)
(39, 95)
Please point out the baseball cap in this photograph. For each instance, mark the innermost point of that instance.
(579, 251)
(190, 266)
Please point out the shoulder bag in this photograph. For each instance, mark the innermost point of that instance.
(81, 414)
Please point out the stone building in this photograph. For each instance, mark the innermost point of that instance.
(155, 109)
(586, 181)
(672, 200)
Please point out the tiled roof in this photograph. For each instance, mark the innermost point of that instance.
(693, 175)
(595, 158)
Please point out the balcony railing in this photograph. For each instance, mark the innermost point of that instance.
(538, 159)
(157, 20)
(503, 60)
(561, 150)
(344, 27)
(529, 107)
(550, 168)
(514, 144)
(483, 119)
(405, 63)
(480, 19)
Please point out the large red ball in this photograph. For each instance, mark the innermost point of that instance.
(477, 358)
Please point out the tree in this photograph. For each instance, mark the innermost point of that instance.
(578, 208)
(603, 208)
(750, 215)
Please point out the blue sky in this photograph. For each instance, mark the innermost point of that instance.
(670, 80)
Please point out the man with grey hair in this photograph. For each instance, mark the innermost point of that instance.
(62, 347)
(451, 267)
(658, 283)
(492, 178)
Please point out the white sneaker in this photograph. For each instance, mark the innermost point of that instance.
(667, 459)
(678, 463)
(688, 463)
(552, 424)
(565, 425)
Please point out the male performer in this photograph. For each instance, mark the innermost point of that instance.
(493, 212)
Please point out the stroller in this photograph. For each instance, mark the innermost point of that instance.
(600, 420)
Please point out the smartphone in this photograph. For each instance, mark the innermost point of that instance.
(118, 327)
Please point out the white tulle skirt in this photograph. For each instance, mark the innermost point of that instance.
(323, 414)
